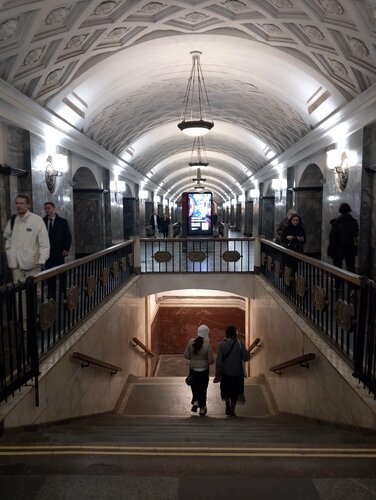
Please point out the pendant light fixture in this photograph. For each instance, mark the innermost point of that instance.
(198, 156)
(196, 119)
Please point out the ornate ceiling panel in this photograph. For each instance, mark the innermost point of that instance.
(117, 69)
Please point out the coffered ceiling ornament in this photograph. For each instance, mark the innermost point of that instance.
(108, 68)
(7, 29)
(105, 8)
(57, 16)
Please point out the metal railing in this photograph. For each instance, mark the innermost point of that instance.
(340, 305)
(38, 314)
(19, 361)
(192, 255)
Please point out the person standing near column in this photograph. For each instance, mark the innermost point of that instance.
(59, 235)
(27, 246)
(155, 222)
(343, 238)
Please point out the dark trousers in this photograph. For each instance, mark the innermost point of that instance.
(349, 260)
(199, 387)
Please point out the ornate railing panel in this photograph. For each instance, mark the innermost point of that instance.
(197, 255)
(341, 305)
(38, 314)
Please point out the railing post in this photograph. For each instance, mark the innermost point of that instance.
(257, 254)
(31, 342)
(361, 323)
(137, 255)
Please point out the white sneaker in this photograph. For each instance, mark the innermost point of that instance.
(194, 406)
(203, 411)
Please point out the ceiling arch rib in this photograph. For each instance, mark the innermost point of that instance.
(226, 184)
(218, 193)
(118, 69)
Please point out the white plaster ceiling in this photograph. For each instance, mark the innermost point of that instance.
(118, 69)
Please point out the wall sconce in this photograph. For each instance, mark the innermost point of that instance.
(339, 160)
(143, 194)
(279, 185)
(118, 188)
(56, 165)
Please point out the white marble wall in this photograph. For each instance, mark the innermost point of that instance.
(327, 390)
(66, 389)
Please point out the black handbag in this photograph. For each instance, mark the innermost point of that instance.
(189, 379)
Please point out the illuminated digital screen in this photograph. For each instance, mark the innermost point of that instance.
(199, 213)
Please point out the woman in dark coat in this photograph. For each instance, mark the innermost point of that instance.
(293, 236)
(229, 370)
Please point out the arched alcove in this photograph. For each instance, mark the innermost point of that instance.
(308, 203)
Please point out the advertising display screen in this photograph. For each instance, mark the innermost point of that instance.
(199, 213)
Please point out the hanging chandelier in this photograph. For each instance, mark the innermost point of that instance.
(196, 119)
(198, 156)
(198, 180)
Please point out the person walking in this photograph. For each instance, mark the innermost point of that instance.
(229, 370)
(200, 356)
(343, 238)
(27, 246)
(59, 235)
(155, 222)
(293, 236)
(166, 221)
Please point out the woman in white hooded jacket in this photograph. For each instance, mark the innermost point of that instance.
(200, 356)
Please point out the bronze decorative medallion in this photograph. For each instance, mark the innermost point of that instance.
(162, 256)
(269, 262)
(263, 258)
(47, 314)
(115, 269)
(90, 285)
(300, 286)
(343, 315)
(287, 274)
(231, 256)
(123, 263)
(319, 297)
(105, 275)
(71, 300)
(196, 256)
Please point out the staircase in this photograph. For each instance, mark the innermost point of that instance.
(153, 447)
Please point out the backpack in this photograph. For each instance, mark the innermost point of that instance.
(12, 219)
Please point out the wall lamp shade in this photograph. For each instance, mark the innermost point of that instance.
(196, 119)
(198, 156)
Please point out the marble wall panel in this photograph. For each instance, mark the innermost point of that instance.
(327, 390)
(176, 325)
(89, 214)
(66, 389)
(62, 195)
(333, 197)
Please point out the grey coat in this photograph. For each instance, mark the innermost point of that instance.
(233, 364)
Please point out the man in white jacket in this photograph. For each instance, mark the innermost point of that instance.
(27, 245)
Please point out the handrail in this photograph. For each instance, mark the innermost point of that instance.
(43, 275)
(300, 360)
(93, 361)
(255, 343)
(138, 343)
(336, 271)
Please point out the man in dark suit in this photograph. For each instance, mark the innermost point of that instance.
(59, 235)
(155, 222)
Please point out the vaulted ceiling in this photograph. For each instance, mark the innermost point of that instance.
(118, 69)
